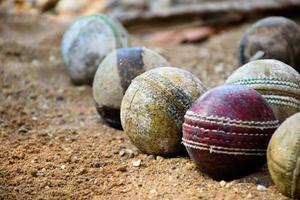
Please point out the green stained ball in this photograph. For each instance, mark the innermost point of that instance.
(87, 41)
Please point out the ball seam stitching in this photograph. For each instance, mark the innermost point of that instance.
(281, 100)
(229, 141)
(156, 79)
(271, 81)
(225, 132)
(232, 122)
(224, 150)
(293, 166)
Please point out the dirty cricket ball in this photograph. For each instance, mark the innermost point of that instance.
(87, 41)
(153, 108)
(272, 38)
(277, 82)
(115, 74)
(227, 130)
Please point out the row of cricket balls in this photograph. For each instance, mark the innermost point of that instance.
(226, 130)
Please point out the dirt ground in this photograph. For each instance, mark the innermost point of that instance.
(53, 144)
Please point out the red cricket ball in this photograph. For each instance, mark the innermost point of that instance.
(227, 130)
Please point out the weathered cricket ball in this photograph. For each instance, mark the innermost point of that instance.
(227, 130)
(115, 74)
(276, 81)
(87, 42)
(153, 108)
(284, 157)
(272, 38)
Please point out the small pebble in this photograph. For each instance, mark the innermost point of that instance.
(222, 183)
(137, 163)
(63, 167)
(159, 158)
(122, 169)
(153, 191)
(82, 171)
(41, 172)
(34, 118)
(190, 166)
(261, 188)
(219, 68)
(122, 152)
(23, 130)
(130, 153)
(228, 185)
(35, 63)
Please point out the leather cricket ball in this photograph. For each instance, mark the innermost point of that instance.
(227, 130)
(87, 41)
(272, 38)
(115, 74)
(283, 157)
(276, 81)
(153, 108)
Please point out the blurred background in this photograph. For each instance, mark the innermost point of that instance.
(134, 13)
(177, 18)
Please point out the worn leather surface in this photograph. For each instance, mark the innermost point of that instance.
(284, 157)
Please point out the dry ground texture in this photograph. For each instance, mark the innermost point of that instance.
(53, 144)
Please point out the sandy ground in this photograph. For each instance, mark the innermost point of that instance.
(53, 145)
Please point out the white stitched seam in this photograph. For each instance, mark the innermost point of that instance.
(212, 149)
(280, 100)
(231, 122)
(269, 81)
(223, 148)
(224, 132)
(259, 87)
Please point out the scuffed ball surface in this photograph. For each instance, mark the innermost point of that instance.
(153, 108)
(284, 157)
(87, 41)
(114, 76)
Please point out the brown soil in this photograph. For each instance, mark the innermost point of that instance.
(53, 145)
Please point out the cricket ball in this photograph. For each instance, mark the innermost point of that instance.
(272, 38)
(115, 74)
(87, 41)
(227, 130)
(284, 157)
(276, 81)
(153, 108)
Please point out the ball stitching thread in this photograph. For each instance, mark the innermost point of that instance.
(224, 150)
(232, 122)
(225, 132)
